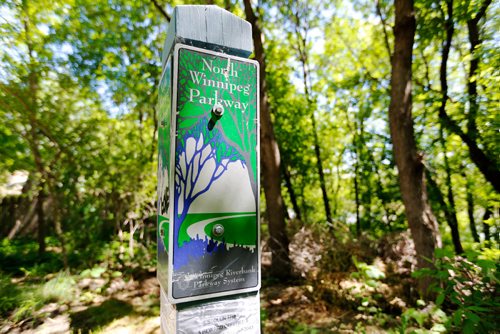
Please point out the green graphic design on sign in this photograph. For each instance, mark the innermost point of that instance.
(164, 115)
(214, 176)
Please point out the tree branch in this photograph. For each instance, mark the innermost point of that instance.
(384, 24)
(161, 10)
(482, 11)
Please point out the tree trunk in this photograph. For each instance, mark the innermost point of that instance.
(486, 227)
(451, 208)
(475, 42)
(364, 161)
(291, 192)
(423, 224)
(303, 204)
(470, 209)
(319, 165)
(356, 195)
(355, 143)
(487, 165)
(41, 222)
(304, 60)
(281, 264)
(62, 241)
(336, 189)
(450, 212)
(33, 81)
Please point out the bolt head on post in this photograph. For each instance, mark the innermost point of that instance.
(218, 230)
(218, 111)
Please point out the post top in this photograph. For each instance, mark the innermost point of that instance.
(209, 27)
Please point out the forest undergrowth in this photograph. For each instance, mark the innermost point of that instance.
(361, 285)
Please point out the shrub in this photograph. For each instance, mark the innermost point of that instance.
(466, 289)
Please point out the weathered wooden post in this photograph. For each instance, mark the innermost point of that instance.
(208, 175)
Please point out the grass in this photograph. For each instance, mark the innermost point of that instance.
(9, 295)
(22, 300)
(18, 301)
(59, 289)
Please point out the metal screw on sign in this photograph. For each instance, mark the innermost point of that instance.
(218, 230)
(217, 112)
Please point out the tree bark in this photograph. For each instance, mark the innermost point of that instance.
(422, 222)
(487, 165)
(450, 207)
(470, 209)
(449, 213)
(161, 10)
(291, 192)
(356, 149)
(475, 42)
(356, 197)
(319, 165)
(301, 27)
(270, 157)
(41, 222)
(303, 58)
(62, 241)
(33, 138)
(486, 227)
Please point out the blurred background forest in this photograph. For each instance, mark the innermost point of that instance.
(355, 245)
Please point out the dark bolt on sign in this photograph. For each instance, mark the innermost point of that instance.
(208, 170)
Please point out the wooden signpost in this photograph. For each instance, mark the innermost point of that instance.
(208, 175)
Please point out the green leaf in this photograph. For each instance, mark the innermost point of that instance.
(440, 299)
(468, 327)
(438, 328)
(472, 317)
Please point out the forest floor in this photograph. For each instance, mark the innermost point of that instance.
(363, 298)
(121, 306)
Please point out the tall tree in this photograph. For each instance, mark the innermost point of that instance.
(450, 207)
(487, 164)
(475, 42)
(470, 206)
(422, 222)
(298, 12)
(271, 163)
(291, 191)
(22, 98)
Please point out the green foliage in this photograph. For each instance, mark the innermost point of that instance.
(61, 288)
(417, 320)
(370, 273)
(22, 301)
(366, 294)
(466, 287)
(20, 257)
(78, 85)
(295, 327)
(9, 295)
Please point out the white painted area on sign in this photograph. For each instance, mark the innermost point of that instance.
(232, 192)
